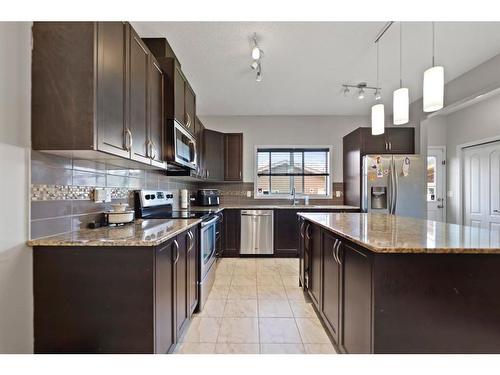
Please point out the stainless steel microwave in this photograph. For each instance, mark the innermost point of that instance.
(181, 148)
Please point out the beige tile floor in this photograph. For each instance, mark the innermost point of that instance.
(256, 306)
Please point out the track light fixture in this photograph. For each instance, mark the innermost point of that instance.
(361, 90)
(257, 55)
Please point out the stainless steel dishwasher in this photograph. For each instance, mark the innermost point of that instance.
(257, 232)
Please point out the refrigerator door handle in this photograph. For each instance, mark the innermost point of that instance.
(396, 188)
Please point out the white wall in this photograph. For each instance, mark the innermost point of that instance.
(287, 130)
(16, 295)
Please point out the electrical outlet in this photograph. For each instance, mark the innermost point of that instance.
(102, 195)
(249, 194)
(338, 193)
(450, 194)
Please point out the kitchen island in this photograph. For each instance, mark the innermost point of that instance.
(389, 284)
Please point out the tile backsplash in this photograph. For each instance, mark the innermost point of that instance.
(62, 191)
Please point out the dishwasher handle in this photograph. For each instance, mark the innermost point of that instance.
(257, 213)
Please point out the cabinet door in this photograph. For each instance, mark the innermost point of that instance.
(192, 269)
(200, 133)
(233, 157)
(190, 109)
(286, 235)
(401, 140)
(231, 237)
(164, 298)
(357, 300)
(301, 249)
(374, 144)
(112, 47)
(330, 292)
(214, 155)
(314, 245)
(156, 113)
(138, 98)
(179, 95)
(180, 283)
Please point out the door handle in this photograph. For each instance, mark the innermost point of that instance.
(128, 139)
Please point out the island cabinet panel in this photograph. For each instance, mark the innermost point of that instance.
(313, 241)
(231, 233)
(286, 233)
(331, 285)
(164, 282)
(356, 307)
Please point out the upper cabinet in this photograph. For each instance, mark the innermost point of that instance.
(189, 108)
(393, 141)
(213, 155)
(95, 89)
(233, 157)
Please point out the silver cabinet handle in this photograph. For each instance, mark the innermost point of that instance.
(128, 139)
(386, 146)
(240, 174)
(338, 252)
(152, 152)
(390, 145)
(191, 242)
(208, 173)
(307, 232)
(177, 254)
(302, 229)
(188, 120)
(333, 250)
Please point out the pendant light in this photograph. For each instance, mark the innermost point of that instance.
(401, 97)
(378, 112)
(433, 84)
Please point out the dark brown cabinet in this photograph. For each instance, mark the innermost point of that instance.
(330, 285)
(156, 121)
(180, 275)
(360, 142)
(164, 334)
(93, 91)
(138, 99)
(190, 108)
(356, 336)
(231, 233)
(213, 150)
(313, 241)
(200, 134)
(178, 93)
(286, 233)
(192, 270)
(233, 157)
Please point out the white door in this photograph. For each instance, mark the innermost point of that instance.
(482, 187)
(436, 184)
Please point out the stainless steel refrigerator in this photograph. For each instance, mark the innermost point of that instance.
(394, 184)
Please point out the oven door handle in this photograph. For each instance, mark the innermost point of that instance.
(209, 222)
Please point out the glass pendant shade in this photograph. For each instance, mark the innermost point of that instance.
(378, 119)
(401, 106)
(433, 89)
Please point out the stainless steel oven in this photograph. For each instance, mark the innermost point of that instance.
(207, 257)
(181, 148)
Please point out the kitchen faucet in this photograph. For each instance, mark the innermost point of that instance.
(293, 196)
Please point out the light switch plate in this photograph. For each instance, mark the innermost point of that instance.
(249, 194)
(102, 195)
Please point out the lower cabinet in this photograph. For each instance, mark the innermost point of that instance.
(286, 236)
(114, 299)
(330, 285)
(357, 305)
(338, 278)
(231, 233)
(164, 333)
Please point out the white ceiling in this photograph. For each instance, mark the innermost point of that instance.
(305, 63)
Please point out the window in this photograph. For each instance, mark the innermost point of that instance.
(280, 170)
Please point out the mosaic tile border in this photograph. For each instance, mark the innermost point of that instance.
(72, 192)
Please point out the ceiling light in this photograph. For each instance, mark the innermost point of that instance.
(259, 76)
(433, 84)
(378, 110)
(361, 93)
(254, 65)
(256, 53)
(401, 97)
(378, 119)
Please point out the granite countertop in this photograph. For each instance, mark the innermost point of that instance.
(397, 234)
(151, 232)
(272, 207)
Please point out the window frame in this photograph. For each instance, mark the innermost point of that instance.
(329, 187)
